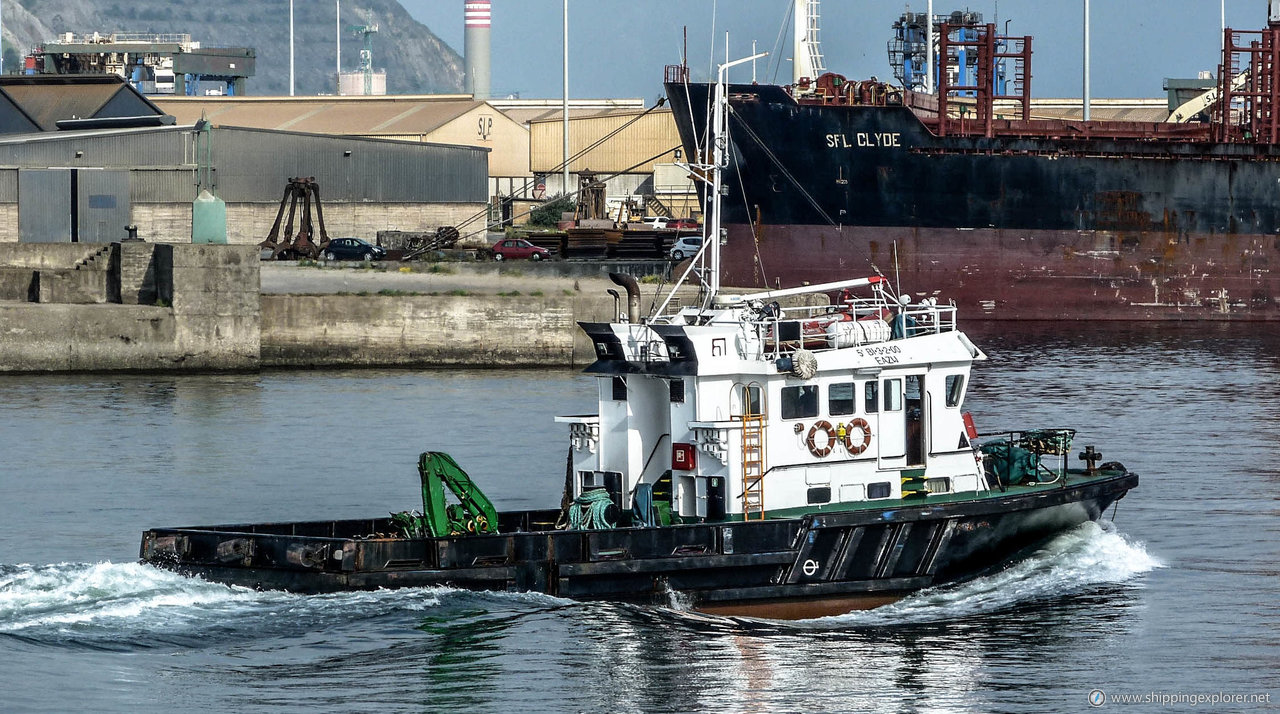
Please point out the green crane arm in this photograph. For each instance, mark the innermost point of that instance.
(473, 514)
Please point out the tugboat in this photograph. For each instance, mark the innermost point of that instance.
(777, 454)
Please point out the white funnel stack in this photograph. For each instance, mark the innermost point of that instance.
(476, 47)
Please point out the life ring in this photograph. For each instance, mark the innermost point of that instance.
(862, 425)
(824, 426)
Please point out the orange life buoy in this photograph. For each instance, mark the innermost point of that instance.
(862, 425)
(824, 426)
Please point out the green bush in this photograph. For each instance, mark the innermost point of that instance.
(548, 214)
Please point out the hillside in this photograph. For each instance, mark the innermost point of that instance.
(415, 59)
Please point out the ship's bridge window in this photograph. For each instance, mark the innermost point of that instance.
(955, 389)
(840, 400)
(800, 402)
(871, 397)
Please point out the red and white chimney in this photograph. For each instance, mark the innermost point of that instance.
(476, 47)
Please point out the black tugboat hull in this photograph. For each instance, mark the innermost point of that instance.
(820, 564)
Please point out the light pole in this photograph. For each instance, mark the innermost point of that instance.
(1085, 112)
(928, 42)
(337, 13)
(566, 97)
(291, 48)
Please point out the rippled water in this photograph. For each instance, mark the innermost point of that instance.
(1179, 594)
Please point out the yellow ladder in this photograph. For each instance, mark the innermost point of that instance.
(752, 466)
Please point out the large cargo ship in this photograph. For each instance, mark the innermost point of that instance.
(1016, 217)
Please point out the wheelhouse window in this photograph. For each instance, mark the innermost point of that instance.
(871, 394)
(840, 399)
(879, 490)
(893, 395)
(955, 389)
(619, 389)
(800, 402)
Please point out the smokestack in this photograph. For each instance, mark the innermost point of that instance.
(476, 47)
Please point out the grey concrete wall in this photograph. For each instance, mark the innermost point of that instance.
(211, 320)
(249, 223)
(349, 330)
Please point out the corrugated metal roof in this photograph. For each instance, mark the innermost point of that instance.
(253, 165)
(330, 115)
(47, 99)
(631, 150)
(529, 115)
(46, 105)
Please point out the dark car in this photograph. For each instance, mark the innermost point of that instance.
(514, 248)
(353, 249)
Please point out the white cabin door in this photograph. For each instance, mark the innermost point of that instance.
(892, 424)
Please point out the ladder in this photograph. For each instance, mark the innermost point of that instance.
(752, 466)
(656, 206)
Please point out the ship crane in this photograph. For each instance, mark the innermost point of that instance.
(367, 31)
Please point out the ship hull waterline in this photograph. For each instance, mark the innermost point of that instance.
(819, 565)
(1019, 274)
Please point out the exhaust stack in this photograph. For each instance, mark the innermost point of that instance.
(476, 47)
(633, 295)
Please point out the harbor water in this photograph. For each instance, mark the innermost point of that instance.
(1175, 594)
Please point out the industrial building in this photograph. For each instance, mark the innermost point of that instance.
(638, 159)
(152, 63)
(87, 186)
(441, 119)
(52, 103)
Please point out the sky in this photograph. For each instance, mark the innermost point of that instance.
(617, 48)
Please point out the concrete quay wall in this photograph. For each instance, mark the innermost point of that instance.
(472, 330)
(145, 307)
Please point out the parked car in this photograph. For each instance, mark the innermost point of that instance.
(682, 223)
(685, 246)
(658, 222)
(514, 248)
(353, 249)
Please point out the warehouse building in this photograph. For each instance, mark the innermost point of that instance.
(88, 186)
(637, 150)
(441, 119)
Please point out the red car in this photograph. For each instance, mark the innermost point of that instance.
(514, 248)
(682, 223)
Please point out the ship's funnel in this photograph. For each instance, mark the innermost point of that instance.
(476, 47)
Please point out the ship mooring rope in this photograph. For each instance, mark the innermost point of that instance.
(589, 511)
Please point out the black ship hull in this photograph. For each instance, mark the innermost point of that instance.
(820, 564)
(1029, 227)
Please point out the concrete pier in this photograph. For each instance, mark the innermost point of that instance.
(128, 306)
(162, 307)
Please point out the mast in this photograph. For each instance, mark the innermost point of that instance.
(711, 175)
(807, 55)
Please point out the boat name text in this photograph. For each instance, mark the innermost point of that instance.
(865, 139)
(882, 355)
